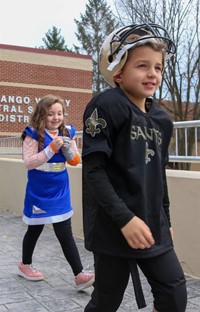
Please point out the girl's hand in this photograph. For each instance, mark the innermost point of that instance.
(57, 142)
(66, 143)
(138, 234)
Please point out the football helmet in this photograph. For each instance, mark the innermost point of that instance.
(114, 50)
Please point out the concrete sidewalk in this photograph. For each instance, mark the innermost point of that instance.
(57, 292)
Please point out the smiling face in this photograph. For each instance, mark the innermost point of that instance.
(141, 74)
(55, 117)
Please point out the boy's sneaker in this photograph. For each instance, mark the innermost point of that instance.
(84, 280)
(29, 272)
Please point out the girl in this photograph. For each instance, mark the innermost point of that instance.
(47, 146)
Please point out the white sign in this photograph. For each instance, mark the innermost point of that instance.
(18, 108)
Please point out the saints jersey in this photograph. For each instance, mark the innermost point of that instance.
(124, 156)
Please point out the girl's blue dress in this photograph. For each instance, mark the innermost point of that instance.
(47, 197)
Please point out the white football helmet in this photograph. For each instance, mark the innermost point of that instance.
(114, 50)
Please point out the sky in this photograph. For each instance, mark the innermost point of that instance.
(25, 22)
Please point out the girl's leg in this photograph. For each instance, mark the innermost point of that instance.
(25, 268)
(29, 242)
(64, 234)
(111, 279)
(167, 281)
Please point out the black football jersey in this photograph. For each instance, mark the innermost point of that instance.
(124, 156)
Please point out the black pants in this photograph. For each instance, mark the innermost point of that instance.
(63, 232)
(163, 273)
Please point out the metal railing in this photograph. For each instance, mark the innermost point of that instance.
(181, 135)
(13, 145)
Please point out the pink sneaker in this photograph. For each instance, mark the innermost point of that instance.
(84, 280)
(29, 272)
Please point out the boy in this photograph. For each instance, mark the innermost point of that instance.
(125, 198)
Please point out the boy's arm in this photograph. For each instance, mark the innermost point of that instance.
(166, 202)
(100, 188)
(135, 231)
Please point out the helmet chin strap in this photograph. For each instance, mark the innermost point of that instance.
(126, 48)
(119, 55)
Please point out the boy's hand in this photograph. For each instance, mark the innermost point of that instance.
(138, 234)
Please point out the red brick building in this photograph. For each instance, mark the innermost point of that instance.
(27, 74)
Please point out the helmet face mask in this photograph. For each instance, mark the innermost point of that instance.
(114, 50)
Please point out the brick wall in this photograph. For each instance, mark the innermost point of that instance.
(27, 74)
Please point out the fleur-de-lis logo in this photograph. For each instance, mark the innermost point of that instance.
(148, 152)
(93, 124)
